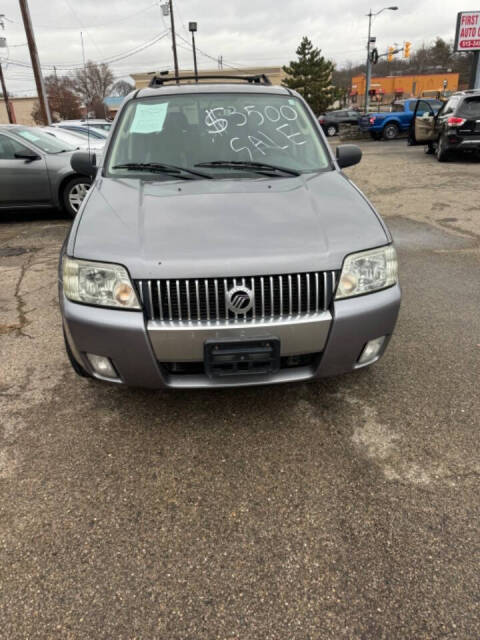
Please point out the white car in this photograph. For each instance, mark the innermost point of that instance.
(96, 123)
(78, 140)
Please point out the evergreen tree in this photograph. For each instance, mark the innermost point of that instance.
(311, 76)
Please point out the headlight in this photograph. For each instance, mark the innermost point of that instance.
(98, 283)
(368, 271)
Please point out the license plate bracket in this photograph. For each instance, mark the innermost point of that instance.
(233, 357)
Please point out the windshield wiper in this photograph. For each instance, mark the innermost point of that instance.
(157, 167)
(260, 167)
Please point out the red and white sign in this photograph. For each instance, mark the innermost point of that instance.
(467, 36)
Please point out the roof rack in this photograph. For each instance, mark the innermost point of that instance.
(159, 81)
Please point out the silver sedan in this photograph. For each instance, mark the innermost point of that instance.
(35, 171)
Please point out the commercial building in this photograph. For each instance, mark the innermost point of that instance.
(22, 110)
(387, 88)
(275, 74)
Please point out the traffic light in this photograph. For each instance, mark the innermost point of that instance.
(406, 49)
(390, 53)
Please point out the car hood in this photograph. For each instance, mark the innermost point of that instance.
(211, 228)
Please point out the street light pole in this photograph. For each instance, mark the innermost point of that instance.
(192, 27)
(369, 62)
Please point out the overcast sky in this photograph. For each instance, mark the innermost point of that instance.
(244, 32)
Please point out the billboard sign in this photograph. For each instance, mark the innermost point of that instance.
(467, 35)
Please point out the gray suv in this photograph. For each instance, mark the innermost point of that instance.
(221, 245)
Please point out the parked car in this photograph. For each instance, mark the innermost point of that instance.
(221, 245)
(455, 127)
(35, 171)
(76, 139)
(98, 134)
(96, 123)
(332, 120)
(398, 120)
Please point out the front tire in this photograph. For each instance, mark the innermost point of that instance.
(332, 130)
(390, 131)
(74, 193)
(441, 151)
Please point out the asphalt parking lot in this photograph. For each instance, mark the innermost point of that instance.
(345, 508)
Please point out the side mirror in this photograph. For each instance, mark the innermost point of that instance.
(84, 163)
(348, 155)
(27, 155)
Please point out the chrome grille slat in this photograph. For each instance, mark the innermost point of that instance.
(169, 300)
(189, 309)
(197, 295)
(150, 299)
(276, 297)
(262, 289)
(179, 301)
(299, 285)
(217, 301)
(207, 300)
(290, 301)
(308, 293)
(272, 309)
(280, 284)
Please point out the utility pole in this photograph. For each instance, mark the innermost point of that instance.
(174, 39)
(37, 71)
(8, 106)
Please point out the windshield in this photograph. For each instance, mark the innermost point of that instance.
(186, 130)
(44, 141)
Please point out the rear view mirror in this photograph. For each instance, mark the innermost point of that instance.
(84, 163)
(348, 155)
(28, 155)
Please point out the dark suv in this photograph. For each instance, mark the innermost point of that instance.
(332, 120)
(456, 126)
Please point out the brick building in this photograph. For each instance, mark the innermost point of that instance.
(387, 88)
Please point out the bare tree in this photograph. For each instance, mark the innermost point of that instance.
(93, 83)
(122, 88)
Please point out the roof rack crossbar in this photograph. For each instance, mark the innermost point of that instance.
(159, 81)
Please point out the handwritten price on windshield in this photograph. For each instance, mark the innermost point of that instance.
(218, 119)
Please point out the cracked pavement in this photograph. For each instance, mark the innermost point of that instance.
(346, 508)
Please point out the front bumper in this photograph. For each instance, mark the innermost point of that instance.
(140, 350)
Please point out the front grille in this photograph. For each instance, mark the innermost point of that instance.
(205, 300)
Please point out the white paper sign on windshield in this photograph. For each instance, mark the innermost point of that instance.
(149, 118)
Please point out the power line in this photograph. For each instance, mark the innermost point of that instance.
(72, 66)
(207, 55)
(93, 26)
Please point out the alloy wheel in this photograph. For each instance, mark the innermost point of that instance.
(77, 194)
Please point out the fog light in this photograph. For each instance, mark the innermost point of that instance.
(102, 366)
(371, 350)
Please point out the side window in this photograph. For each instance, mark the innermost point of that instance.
(450, 106)
(423, 107)
(9, 147)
